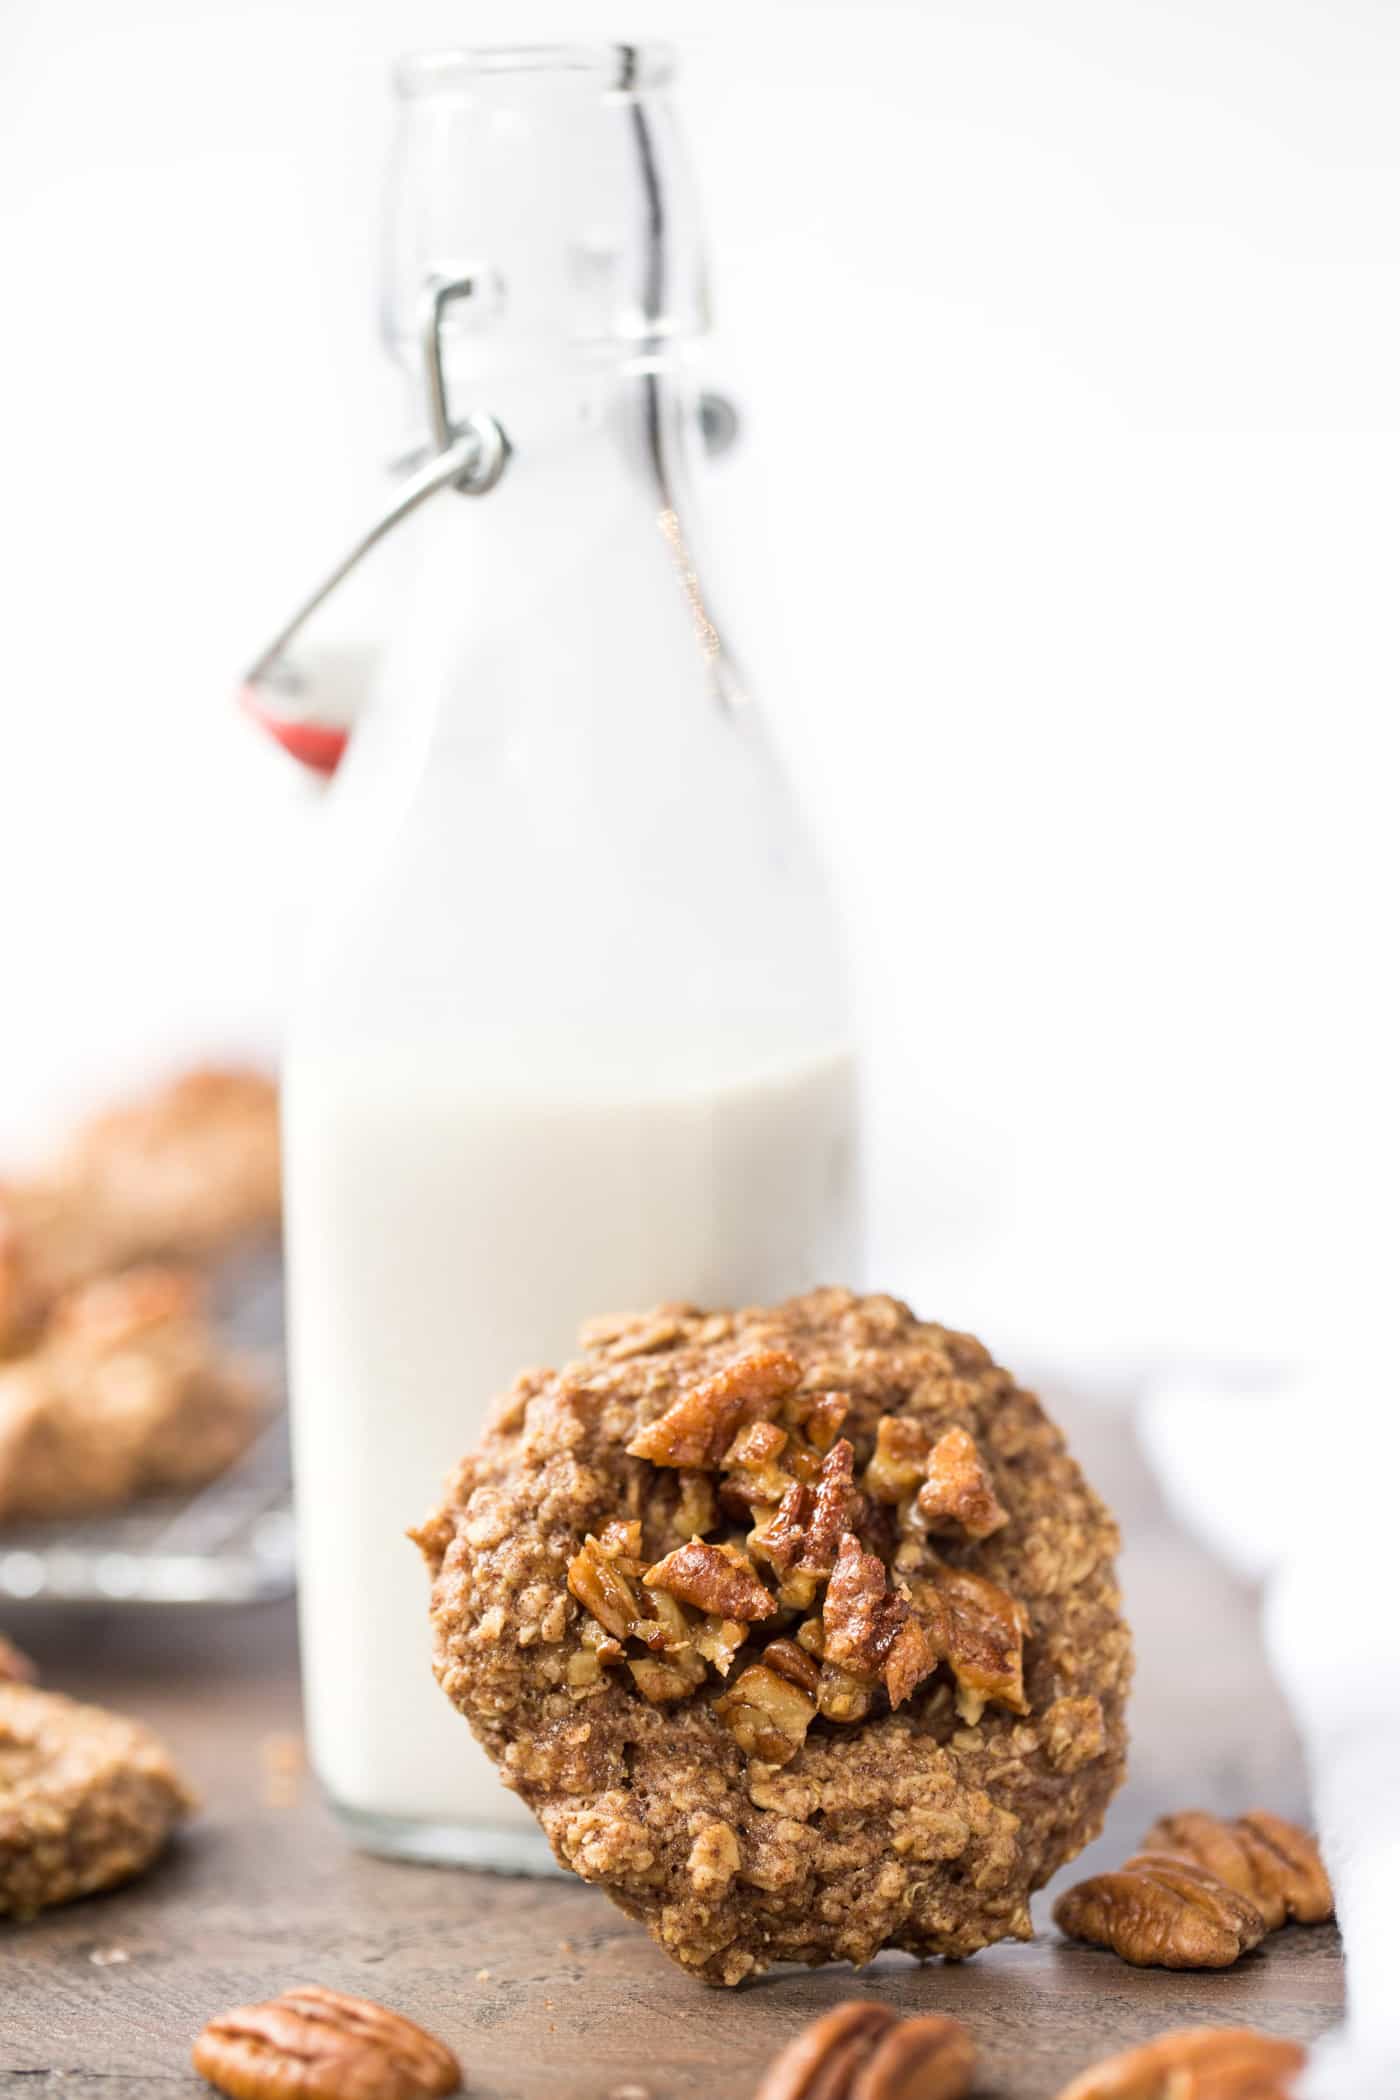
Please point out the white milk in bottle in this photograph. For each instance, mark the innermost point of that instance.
(571, 1036)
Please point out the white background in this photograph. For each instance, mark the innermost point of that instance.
(1068, 335)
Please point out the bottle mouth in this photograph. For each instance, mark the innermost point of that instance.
(617, 68)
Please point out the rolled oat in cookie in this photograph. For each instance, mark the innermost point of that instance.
(796, 1627)
(87, 1799)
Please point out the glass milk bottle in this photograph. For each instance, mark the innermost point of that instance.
(571, 1035)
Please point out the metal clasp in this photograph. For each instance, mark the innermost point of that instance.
(471, 457)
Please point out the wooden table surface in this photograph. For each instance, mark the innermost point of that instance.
(547, 1992)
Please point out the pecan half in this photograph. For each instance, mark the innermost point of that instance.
(313, 2044)
(868, 1629)
(1196, 2063)
(698, 1428)
(1161, 1912)
(1274, 1864)
(767, 1715)
(957, 1489)
(714, 1579)
(864, 2051)
(978, 1629)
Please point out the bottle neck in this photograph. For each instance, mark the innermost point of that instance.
(557, 182)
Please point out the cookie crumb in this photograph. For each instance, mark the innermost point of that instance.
(108, 1957)
(283, 1761)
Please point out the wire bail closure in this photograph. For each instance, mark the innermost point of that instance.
(471, 457)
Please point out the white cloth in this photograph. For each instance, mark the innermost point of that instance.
(1294, 1480)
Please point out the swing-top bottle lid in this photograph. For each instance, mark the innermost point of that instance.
(554, 176)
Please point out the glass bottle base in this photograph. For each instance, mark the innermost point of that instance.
(488, 1847)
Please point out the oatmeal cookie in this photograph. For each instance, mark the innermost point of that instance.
(87, 1799)
(128, 1394)
(797, 1629)
(189, 1171)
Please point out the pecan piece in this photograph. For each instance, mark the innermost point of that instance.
(841, 1697)
(713, 1578)
(767, 1716)
(753, 1475)
(602, 1587)
(666, 1629)
(868, 1629)
(621, 1539)
(1160, 1912)
(795, 1664)
(817, 1416)
(1274, 1864)
(806, 1529)
(313, 2044)
(864, 2051)
(694, 1513)
(896, 1468)
(957, 1489)
(661, 1681)
(978, 1629)
(1196, 2063)
(698, 1428)
(719, 1641)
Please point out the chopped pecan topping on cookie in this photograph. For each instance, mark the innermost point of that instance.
(896, 1468)
(767, 1715)
(697, 1429)
(804, 1532)
(314, 2044)
(847, 1557)
(957, 1491)
(941, 1485)
(1196, 2063)
(1274, 1864)
(979, 1631)
(1162, 1912)
(602, 1587)
(794, 1663)
(717, 1579)
(868, 1629)
(817, 1416)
